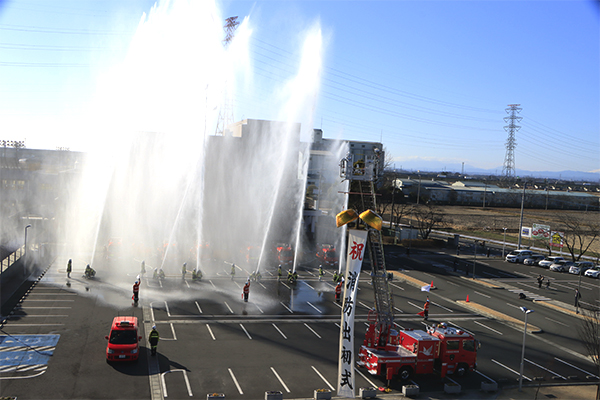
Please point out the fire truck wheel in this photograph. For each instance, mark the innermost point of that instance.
(405, 373)
(461, 369)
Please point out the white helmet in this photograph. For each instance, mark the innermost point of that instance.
(153, 326)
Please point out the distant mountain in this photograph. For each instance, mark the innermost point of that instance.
(441, 167)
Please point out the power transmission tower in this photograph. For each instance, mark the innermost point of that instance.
(226, 111)
(508, 170)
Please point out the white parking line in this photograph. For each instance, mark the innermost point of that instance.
(279, 330)
(396, 286)
(556, 322)
(414, 305)
(308, 285)
(481, 294)
(230, 310)
(439, 305)
(545, 369)
(311, 329)
(285, 285)
(259, 309)
(260, 283)
(491, 329)
(280, 380)
(322, 377)
(286, 307)
(211, 282)
(571, 365)
(364, 305)
(39, 308)
(313, 306)
(486, 377)
(365, 378)
(399, 310)
(235, 381)
(211, 332)
(198, 305)
(452, 283)
(510, 369)
(247, 334)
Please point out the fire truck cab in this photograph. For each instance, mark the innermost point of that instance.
(285, 255)
(328, 254)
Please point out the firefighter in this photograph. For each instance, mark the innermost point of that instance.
(246, 291)
(153, 338)
(143, 268)
(161, 274)
(232, 271)
(183, 270)
(89, 272)
(136, 291)
(155, 274)
(196, 274)
(338, 292)
(335, 276)
(69, 268)
(321, 273)
(279, 273)
(252, 276)
(540, 280)
(426, 310)
(257, 276)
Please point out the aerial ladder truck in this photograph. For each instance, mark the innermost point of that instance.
(388, 352)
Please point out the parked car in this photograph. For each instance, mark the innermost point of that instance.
(561, 266)
(593, 272)
(534, 259)
(518, 256)
(548, 261)
(123, 340)
(580, 267)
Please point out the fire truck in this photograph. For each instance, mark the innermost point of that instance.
(328, 254)
(285, 255)
(386, 351)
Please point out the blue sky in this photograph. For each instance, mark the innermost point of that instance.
(432, 79)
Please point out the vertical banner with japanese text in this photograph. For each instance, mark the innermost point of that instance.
(356, 249)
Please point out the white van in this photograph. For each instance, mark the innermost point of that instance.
(518, 256)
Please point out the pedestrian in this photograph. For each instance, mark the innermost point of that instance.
(246, 291)
(540, 279)
(321, 273)
(183, 270)
(338, 292)
(136, 291)
(69, 268)
(143, 268)
(548, 283)
(488, 252)
(426, 310)
(153, 338)
(577, 297)
(458, 250)
(232, 271)
(279, 273)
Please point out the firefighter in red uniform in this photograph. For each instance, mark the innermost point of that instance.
(426, 310)
(246, 290)
(136, 291)
(338, 291)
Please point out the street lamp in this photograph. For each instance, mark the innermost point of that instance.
(526, 311)
(419, 189)
(25, 251)
(503, 243)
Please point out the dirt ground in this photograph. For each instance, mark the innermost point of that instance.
(492, 220)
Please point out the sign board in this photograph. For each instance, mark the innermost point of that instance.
(526, 231)
(540, 232)
(556, 239)
(356, 249)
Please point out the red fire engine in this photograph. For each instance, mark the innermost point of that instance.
(285, 255)
(327, 254)
(444, 349)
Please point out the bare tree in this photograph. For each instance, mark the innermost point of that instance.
(589, 333)
(427, 217)
(580, 234)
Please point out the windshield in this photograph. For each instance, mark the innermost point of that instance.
(123, 337)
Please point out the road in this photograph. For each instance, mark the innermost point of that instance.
(286, 337)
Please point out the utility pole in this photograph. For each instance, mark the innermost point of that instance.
(226, 111)
(508, 170)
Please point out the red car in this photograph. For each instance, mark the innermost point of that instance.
(123, 341)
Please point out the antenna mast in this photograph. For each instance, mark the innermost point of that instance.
(508, 170)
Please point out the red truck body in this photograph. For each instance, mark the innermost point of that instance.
(285, 255)
(443, 349)
(328, 254)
